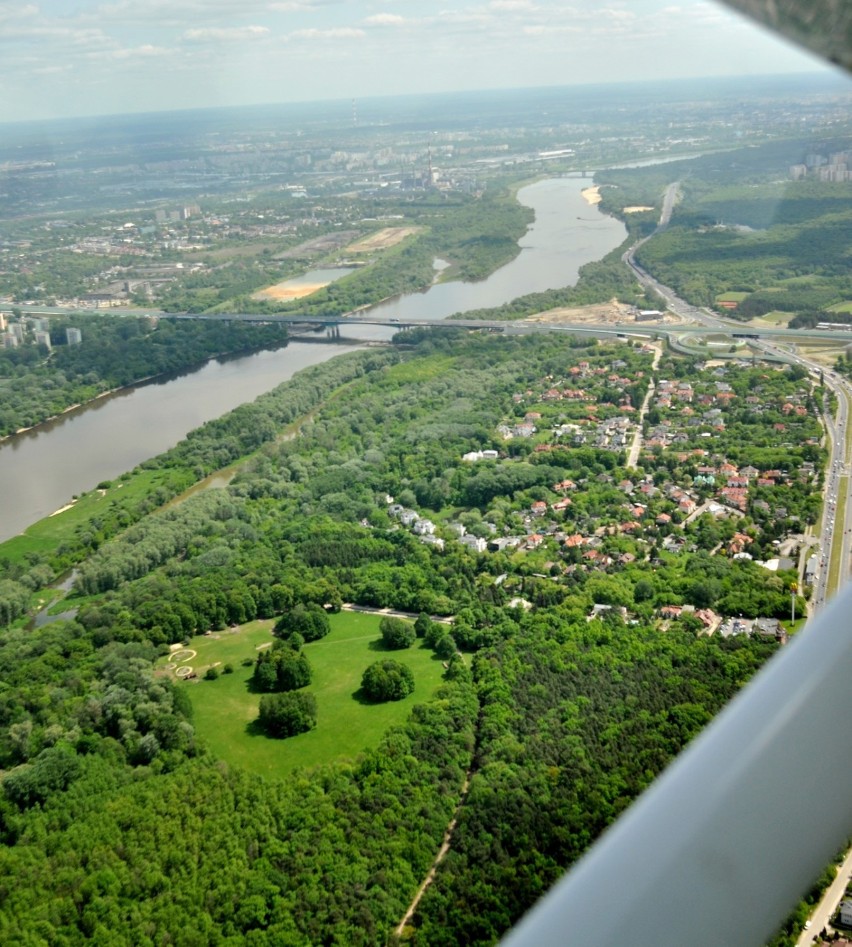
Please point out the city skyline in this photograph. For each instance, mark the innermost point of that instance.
(127, 56)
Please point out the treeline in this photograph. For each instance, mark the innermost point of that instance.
(116, 351)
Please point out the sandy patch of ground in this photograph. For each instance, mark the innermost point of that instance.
(613, 312)
(382, 239)
(284, 291)
(591, 195)
(636, 208)
(62, 509)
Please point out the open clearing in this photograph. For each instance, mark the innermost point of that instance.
(382, 239)
(285, 291)
(225, 709)
(774, 319)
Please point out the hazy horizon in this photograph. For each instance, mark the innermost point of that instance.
(375, 109)
(126, 56)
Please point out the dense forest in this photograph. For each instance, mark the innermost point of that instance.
(115, 351)
(565, 688)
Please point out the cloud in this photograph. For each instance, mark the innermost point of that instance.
(511, 6)
(290, 6)
(546, 29)
(341, 32)
(146, 51)
(18, 13)
(386, 19)
(230, 34)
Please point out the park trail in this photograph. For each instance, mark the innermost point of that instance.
(442, 851)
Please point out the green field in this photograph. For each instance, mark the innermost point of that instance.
(732, 297)
(776, 317)
(225, 709)
(423, 369)
(841, 307)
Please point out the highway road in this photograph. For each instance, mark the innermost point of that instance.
(832, 896)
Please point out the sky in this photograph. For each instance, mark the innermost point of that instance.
(83, 57)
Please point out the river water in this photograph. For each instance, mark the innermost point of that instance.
(40, 470)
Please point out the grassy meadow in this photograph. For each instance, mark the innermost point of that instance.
(225, 709)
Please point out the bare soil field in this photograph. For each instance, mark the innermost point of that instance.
(612, 312)
(281, 291)
(318, 246)
(382, 239)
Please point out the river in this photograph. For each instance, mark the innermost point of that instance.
(40, 470)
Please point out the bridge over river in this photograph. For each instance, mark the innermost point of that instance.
(600, 330)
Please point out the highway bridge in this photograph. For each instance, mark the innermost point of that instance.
(632, 329)
(639, 330)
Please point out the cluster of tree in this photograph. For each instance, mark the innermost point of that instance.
(286, 714)
(305, 525)
(206, 449)
(811, 297)
(206, 853)
(284, 667)
(387, 680)
(809, 319)
(309, 621)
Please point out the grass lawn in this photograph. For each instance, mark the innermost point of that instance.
(225, 709)
(774, 318)
(835, 563)
(424, 369)
(841, 307)
(732, 297)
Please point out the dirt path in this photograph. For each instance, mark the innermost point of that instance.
(393, 612)
(442, 852)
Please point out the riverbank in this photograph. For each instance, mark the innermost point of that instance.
(132, 386)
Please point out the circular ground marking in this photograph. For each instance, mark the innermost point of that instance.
(184, 671)
(186, 655)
